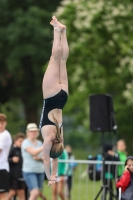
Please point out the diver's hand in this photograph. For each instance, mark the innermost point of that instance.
(52, 180)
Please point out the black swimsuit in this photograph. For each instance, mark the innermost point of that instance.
(56, 102)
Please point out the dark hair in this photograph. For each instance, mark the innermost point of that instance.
(128, 158)
(19, 135)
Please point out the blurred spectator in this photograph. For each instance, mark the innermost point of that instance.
(109, 170)
(95, 170)
(58, 187)
(122, 154)
(126, 180)
(5, 145)
(71, 168)
(33, 168)
(17, 184)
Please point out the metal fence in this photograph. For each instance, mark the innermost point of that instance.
(86, 188)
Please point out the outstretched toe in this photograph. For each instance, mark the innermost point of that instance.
(57, 24)
(54, 18)
(52, 22)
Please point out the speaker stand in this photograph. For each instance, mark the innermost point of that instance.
(104, 187)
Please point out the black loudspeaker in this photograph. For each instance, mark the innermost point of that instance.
(102, 113)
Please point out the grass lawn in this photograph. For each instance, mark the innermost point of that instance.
(83, 188)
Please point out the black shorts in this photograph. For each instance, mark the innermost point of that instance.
(4, 180)
(16, 184)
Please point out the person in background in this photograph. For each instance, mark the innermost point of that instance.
(33, 168)
(126, 180)
(122, 154)
(71, 168)
(58, 187)
(5, 145)
(109, 170)
(17, 184)
(55, 95)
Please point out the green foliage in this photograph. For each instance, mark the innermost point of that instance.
(15, 116)
(100, 61)
(25, 46)
(77, 139)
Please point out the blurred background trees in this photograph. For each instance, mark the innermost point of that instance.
(100, 61)
(25, 47)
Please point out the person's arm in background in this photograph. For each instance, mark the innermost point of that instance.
(66, 164)
(12, 158)
(124, 181)
(65, 167)
(3, 143)
(114, 154)
(73, 164)
(39, 157)
(33, 151)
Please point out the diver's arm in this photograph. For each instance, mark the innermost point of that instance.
(47, 147)
(54, 167)
(46, 153)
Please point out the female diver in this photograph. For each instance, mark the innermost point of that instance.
(55, 94)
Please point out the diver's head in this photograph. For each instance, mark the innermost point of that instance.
(56, 149)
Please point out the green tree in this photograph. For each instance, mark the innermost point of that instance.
(100, 61)
(15, 116)
(25, 46)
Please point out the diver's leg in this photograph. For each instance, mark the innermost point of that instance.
(63, 78)
(51, 84)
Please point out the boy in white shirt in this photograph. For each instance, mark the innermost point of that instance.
(5, 145)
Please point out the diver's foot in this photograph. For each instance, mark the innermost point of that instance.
(55, 23)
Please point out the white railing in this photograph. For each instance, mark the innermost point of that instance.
(85, 189)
